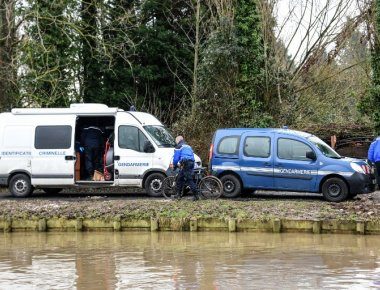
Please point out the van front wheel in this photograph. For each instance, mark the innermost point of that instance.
(231, 186)
(20, 185)
(153, 184)
(335, 189)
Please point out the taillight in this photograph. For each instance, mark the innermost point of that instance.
(210, 155)
(209, 159)
(366, 169)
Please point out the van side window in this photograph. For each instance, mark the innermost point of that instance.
(292, 149)
(229, 145)
(131, 137)
(257, 147)
(52, 137)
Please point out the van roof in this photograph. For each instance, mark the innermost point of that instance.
(83, 109)
(145, 118)
(265, 130)
(88, 109)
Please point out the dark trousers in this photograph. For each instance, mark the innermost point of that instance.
(92, 158)
(377, 173)
(185, 178)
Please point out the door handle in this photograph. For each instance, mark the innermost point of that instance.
(267, 164)
(69, 157)
(116, 157)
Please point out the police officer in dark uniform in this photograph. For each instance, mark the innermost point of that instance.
(92, 141)
(184, 155)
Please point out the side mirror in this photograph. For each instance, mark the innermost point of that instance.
(311, 155)
(148, 147)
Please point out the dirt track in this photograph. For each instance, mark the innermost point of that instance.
(258, 206)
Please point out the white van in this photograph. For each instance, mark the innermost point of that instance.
(39, 148)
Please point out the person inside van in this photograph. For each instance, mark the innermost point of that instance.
(92, 140)
(374, 157)
(184, 156)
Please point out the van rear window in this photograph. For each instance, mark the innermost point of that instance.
(229, 145)
(52, 137)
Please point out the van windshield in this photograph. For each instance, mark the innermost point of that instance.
(161, 136)
(324, 148)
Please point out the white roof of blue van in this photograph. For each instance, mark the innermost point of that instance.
(268, 130)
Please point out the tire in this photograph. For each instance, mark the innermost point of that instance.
(335, 189)
(20, 185)
(169, 187)
(153, 184)
(231, 186)
(210, 187)
(52, 190)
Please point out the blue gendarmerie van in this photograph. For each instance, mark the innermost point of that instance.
(286, 160)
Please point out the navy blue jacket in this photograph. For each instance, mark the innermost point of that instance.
(374, 150)
(182, 152)
(92, 137)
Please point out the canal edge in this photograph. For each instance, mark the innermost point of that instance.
(193, 224)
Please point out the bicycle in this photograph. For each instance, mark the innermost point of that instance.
(210, 187)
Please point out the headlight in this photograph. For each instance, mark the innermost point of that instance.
(357, 168)
(198, 161)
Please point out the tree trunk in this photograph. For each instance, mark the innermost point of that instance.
(7, 50)
(91, 77)
(196, 56)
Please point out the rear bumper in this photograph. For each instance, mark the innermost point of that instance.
(361, 183)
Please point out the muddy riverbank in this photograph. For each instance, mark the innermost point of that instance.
(363, 207)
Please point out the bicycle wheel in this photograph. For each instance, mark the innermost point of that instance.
(210, 187)
(169, 186)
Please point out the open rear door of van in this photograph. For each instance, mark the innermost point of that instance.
(53, 153)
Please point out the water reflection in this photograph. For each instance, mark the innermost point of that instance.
(187, 260)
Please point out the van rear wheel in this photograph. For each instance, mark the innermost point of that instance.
(231, 186)
(20, 185)
(153, 184)
(52, 190)
(335, 189)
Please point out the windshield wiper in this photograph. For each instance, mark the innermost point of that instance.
(166, 146)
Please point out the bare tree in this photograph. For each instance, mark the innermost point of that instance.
(8, 70)
(306, 49)
(316, 27)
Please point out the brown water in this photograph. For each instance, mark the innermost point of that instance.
(143, 260)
